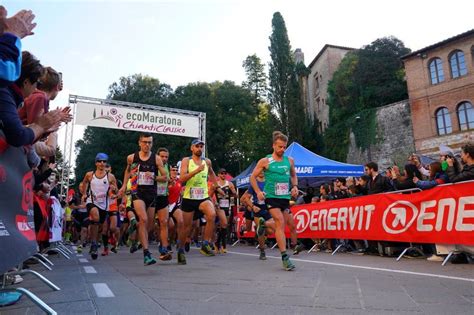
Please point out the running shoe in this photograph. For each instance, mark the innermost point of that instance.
(187, 247)
(261, 227)
(79, 249)
(114, 249)
(206, 250)
(133, 248)
(223, 250)
(93, 251)
(105, 252)
(148, 260)
(170, 249)
(181, 259)
(165, 256)
(287, 264)
(262, 255)
(298, 249)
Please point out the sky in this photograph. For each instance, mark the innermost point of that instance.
(94, 43)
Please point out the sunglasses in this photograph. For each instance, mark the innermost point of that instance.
(147, 142)
(223, 173)
(101, 161)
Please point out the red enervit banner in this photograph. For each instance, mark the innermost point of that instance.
(442, 215)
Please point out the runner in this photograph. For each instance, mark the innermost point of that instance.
(161, 205)
(174, 200)
(81, 219)
(95, 191)
(225, 190)
(110, 225)
(195, 171)
(279, 172)
(142, 168)
(263, 220)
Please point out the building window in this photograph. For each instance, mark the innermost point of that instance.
(436, 71)
(458, 64)
(443, 121)
(466, 116)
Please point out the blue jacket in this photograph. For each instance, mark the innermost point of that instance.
(440, 178)
(15, 133)
(10, 59)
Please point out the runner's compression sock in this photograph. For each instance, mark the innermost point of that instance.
(105, 240)
(284, 255)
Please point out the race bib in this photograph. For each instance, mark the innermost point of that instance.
(281, 189)
(224, 203)
(146, 178)
(161, 190)
(100, 198)
(197, 193)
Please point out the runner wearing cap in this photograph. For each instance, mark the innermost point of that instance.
(95, 191)
(174, 199)
(279, 173)
(142, 168)
(225, 190)
(195, 171)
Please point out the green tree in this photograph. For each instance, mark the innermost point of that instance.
(256, 78)
(366, 79)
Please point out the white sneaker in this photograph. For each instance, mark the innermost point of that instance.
(435, 258)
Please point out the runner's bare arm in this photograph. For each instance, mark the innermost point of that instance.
(159, 163)
(245, 199)
(211, 175)
(85, 185)
(232, 189)
(260, 167)
(126, 175)
(113, 183)
(293, 178)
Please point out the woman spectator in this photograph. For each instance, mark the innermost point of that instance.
(437, 177)
(406, 182)
(324, 191)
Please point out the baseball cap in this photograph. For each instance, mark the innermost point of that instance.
(222, 170)
(101, 157)
(197, 141)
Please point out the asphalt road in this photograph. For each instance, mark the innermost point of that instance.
(239, 283)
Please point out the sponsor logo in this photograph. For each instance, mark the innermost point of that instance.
(304, 169)
(302, 219)
(399, 216)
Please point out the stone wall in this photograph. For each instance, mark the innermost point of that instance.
(394, 141)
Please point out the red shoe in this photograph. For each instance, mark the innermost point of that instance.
(105, 252)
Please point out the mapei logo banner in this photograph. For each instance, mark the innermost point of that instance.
(154, 121)
(444, 214)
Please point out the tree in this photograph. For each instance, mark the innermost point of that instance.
(256, 78)
(365, 80)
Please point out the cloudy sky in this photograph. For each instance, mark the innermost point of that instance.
(94, 43)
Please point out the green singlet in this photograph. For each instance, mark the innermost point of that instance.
(277, 178)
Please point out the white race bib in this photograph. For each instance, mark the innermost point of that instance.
(161, 190)
(100, 198)
(281, 189)
(197, 193)
(224, 203)
(146, 178)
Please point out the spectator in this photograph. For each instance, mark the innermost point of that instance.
(340, 189)
(406, 182)
(377, 182)
(437, 177)
(467, 173)
(309, 195)
(361, 185)
(325, 192)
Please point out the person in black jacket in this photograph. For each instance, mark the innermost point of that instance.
(406, 182)
(377, 182)
(467, 173)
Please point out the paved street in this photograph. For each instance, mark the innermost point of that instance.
(238, 283)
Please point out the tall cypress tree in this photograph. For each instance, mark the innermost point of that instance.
(281, 68)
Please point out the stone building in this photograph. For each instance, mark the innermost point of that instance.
(322, 69)
(440, 81)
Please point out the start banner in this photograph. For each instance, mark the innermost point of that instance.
(154, 121)
(17, 235)
(444, 214)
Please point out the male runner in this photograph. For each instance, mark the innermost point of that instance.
(95, 191)
(142, 168)
(174, 200)
(226, 191)
(161, 206)
(195, 171)
(279, 172)
(80, 216)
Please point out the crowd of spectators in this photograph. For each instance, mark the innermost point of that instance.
(413, 178)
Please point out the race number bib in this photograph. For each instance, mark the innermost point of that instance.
(161, 190)
(281, 189)
(146, 178)
(224, 203)
(100, 198)
(197, 193)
